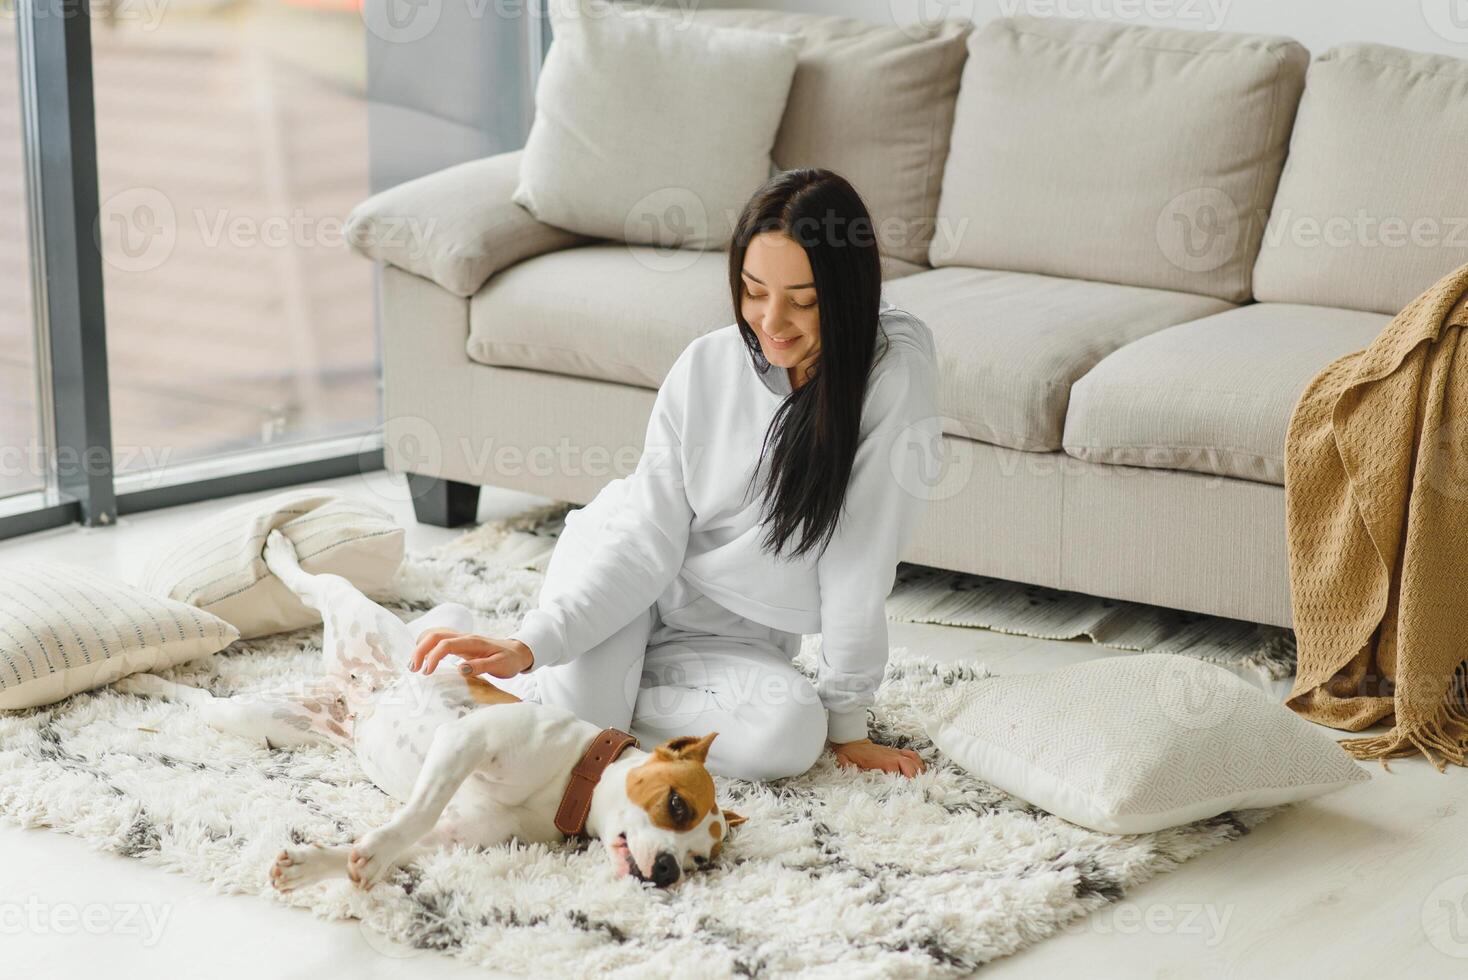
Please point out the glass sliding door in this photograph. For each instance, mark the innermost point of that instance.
(231, 144)
(180, 315)
(23, 460)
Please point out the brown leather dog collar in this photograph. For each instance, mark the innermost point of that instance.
(576, 801)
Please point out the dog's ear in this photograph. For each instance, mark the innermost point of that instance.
(686, 747)
(731, 818)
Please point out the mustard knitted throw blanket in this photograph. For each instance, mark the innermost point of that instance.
(1376, 505)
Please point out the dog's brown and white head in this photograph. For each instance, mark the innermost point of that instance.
(670, 823)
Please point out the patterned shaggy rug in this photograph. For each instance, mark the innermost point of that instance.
(836, 873)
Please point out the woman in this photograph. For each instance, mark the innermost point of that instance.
(779, 483)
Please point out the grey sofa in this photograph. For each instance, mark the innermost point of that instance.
(1135, 247)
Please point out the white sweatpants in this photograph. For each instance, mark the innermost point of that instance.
(687, 666)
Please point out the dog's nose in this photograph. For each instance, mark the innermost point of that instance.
(665, 870)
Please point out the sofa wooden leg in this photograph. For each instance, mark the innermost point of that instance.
(443, 503)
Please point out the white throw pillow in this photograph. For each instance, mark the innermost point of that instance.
(64, 630)
(651, 130)
(217, 565)
(1133, 744)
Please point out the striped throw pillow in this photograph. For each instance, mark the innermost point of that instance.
(65, 629)
(217, 564)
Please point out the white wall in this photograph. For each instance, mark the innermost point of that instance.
(1421, 25)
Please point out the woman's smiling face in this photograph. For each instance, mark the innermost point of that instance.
(779, 303)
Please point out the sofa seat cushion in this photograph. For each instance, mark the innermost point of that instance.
(1011, 344)
(1214, 395)
(610, 312)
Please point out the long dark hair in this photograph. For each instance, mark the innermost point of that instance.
(812, 440)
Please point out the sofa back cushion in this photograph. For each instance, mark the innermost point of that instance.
(874, 104)
(1137, 155)
(1373, 205)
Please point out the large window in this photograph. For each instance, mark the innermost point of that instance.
(231, 143)
(180, 317)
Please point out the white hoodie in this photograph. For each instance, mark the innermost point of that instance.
(685, 513)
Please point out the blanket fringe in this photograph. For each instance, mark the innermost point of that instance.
(1442, 739)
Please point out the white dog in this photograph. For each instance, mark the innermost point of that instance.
(472, 764)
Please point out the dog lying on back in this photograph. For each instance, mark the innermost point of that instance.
(471, 763)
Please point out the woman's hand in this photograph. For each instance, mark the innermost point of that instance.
(481, 654)
(866, 754)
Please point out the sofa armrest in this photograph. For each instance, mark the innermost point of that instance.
(456, 227)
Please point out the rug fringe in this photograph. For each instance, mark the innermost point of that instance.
(492, 534)
(536, 517)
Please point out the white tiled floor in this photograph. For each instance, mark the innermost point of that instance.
(1340, 887)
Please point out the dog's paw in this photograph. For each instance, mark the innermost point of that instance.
(289, 870)
(296, 867)
(372, 857)
(279, 553)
